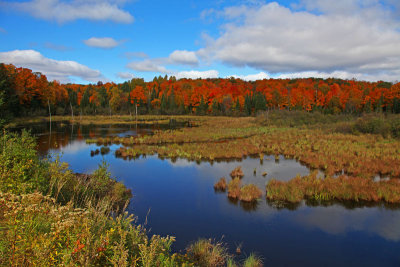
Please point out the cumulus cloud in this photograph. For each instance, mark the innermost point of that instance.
(125, 75)
(177, 57)
(393, 76)
(194, 74)
(183, 57)
(276, 39)
(53, 69)
(104, 42)
(64, 11)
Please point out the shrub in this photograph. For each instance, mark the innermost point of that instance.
(21, 171)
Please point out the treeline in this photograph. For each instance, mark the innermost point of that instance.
(27, 93)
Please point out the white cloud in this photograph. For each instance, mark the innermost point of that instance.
(53, 69)
(104, 42)
(148, 65)
(252, 77)
(194, 74)
(276, 39)
(64, 11)
(342, 75)
(183, 57)
(125, 75)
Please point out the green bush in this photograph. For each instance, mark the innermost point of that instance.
(21, 171)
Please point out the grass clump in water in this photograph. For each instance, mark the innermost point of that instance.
(234, 188)
(220, 185)
(237, 172)
(250, 193)
(253, 261)
(205, 252)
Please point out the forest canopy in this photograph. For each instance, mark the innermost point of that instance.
(24, 92)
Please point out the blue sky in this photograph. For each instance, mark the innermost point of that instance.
(115, 40)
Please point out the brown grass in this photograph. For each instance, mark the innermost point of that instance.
(237, 172)
(250, 193)
(341, 188)
(234, 188)
(220, 185)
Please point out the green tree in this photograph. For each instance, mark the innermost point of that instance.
(202, 108)
(115, 99)
(247, 105)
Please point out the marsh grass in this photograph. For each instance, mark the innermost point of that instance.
(206, 252)
(249, 193)
(361, 155)
(342, 188)
(234, 188)
(237, 172)
(209, 253)
(221, 185)
(253, 261)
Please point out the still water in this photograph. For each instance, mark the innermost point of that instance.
(176, 197)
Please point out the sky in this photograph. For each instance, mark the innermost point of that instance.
(85, 41)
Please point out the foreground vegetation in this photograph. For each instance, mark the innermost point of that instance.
(50, 216)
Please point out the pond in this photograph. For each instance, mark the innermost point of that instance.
(176, 197)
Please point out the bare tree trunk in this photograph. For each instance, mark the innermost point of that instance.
(136, 117)
(72, 110)
(48, 103)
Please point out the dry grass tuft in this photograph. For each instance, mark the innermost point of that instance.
(250, 193)
(220, 185)
(237, 172)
